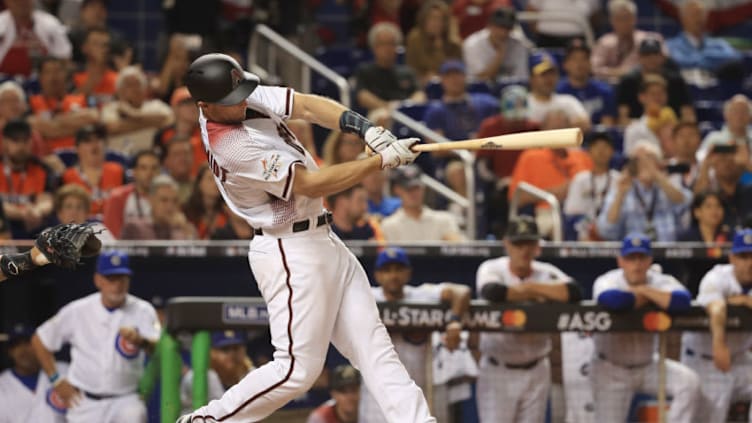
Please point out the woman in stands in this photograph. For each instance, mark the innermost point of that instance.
(431, 42)
(204, 206)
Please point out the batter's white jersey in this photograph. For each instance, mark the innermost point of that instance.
(629, 348)
(516, 348)
(102, 362)
(254, 162)
(20, 404)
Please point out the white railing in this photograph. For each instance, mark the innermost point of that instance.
(581, 21)
(544, 196)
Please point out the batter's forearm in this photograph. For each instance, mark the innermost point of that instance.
(319, 110)
(45, 357)
(333, 179)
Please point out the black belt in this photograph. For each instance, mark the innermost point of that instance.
(98, 397)
(692, 353)
(626, 366)
(521, 366)
(304, 225)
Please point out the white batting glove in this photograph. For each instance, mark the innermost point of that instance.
(399, 153)
(377, 138)
(184, 419)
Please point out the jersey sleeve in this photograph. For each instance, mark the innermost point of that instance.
(485, 275)
(149, 327)
(554, 275)
(573, 203)
(58, 330)
(711, 288)
(669, 283)
(431, 292)
(606, 282)
(278, 100)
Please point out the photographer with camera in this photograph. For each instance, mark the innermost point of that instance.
(721, 171)
(645, 200)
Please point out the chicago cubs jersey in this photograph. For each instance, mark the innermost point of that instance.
(629, 348)
(102, 362)
(253, 162)
(515, 348)
(18, 403)
(718, 284)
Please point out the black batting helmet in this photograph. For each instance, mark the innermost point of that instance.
(218, 78)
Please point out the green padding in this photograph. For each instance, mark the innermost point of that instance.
(200, 360)
(171, 365)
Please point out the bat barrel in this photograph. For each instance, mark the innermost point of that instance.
(554, 138)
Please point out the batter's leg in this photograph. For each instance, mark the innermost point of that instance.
(532, 408)
(498, 392)
(612, 391)
(360, 336)
(682, 384)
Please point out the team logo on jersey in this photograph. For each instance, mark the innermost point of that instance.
(236, 76)
(515, 319)
(125, 348)
(55, 402)
(271, 166)
(656, 321)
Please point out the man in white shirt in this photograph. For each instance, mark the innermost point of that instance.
(109, 332)
(493, 51)
(415, 221)
(544, 77)
(737, 116)
(721, 360)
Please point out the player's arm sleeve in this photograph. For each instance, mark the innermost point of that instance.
(489, 285)
(608, 294)
(150, 329)
(711, 289)
(573, 204)
(56, 331)
(279, 100)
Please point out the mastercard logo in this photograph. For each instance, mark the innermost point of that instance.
(514, 318)
(656, 321)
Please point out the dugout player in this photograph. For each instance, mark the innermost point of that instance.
(344, 387)
(315, 289)
(722, 361)
(514, 378)
(625, 363)
(109, 332)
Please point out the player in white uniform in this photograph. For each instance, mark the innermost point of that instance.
(625, 363)
(515, 375)
(393, 272)
(109, 332)
(315, 289)
(25, 393)
(722, 361)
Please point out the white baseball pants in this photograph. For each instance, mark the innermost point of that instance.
(316, 291)
(720, 389)
(124, 409)
(513, 395)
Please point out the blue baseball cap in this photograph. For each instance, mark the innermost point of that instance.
(452, 66)
(392, 255)
(541, 62)
(636, 243)
(19, 331)
(226, 338)
(742, 242)
(113, 263)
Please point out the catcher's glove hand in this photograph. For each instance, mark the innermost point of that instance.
(64, 245)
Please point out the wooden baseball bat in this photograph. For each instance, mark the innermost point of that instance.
(554, 138)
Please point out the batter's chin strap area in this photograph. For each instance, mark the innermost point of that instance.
(13, 265)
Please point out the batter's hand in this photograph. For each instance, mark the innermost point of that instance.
(184, 419)
(68, 393)
(399, 153)
(378, 139)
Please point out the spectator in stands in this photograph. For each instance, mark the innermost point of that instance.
(29, 35)
(430, 43)
(456, 179)
(625, 363)
(645, 200)
(652, 61)
(341, 147)
(228, 364)
(415, 221)
(544, 76)
(72, 204)
(179, 51)
(92, 14)
(588, 189)
(493, 52)
(131, 202)
(707, 220)
(380, 203)
(166, 220)
(693, 48)
(550, 169)
(720, 171)
(473, 15)
(25, 185)
(657, 122)
(13, 106)
(393, 273)
(458, 114)
(96, 81)
(235, 228)
(618, 52)
(686, 136)
(133, 119)
(92, 171)
(58, 114)
(185, 125)
(384, 82)
(597, 97)
(349, 215)
(177, 161)
(204, 206)
(737, 116)
(556, 32)
(512, 361)
(344, 387)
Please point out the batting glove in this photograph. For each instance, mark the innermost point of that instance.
(378, 139)
(399, 153)
(184, 419)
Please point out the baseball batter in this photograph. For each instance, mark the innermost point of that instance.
(721, 360)
(624, 363)
(109, 332)
(515, 375)
(315, 289)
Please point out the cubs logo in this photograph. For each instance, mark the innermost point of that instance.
(55, 402)
(125, 348)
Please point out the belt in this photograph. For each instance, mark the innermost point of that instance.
(98, 397)
(519, 366)
(626, 366)
(691, 353)
(304, 225)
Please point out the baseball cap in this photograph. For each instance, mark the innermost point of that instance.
(576, 44)
(88, 132)
(636, 243)
(541, 62)
(19, 331)
(113, 263)
(407, 176)
(343, 376)
(650, 46)
(513, 103)
(180, 95)
(17, 130)
(522, 228)
(452, 66)
(392, 255)
(504, 17)
(226, 338)
(742, 242)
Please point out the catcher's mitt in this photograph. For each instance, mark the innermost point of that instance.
(64, 245)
